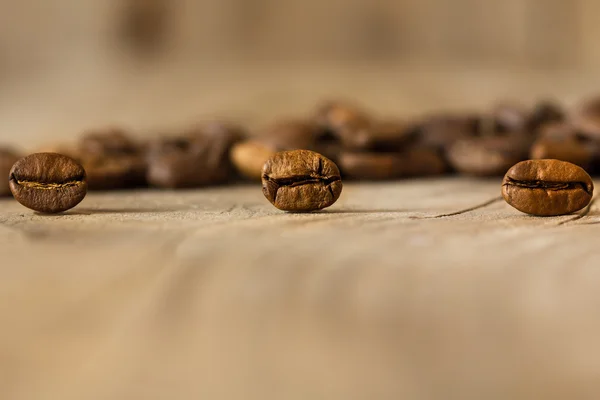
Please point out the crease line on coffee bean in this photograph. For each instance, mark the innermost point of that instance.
(463, 211)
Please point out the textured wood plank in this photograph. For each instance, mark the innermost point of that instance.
(214, 293)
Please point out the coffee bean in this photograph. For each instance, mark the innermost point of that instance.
(109, 172)
(510, 117)
(301, 181)
(544, 113)
(388, 136)
(557, 131)
(547, 187)
(48, 182)
(249, 157)
(350, 124)
(424, 161)
(441, 131)
(7, 158)
(291, 134)
(586, 118)
(113, 141)
(570, 150)
(487, 156)
(197, 158)
(372, 166)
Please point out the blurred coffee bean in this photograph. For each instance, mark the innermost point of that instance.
(291, 134)
(7, 159)
(423, 161)
(440, 131)
(108, 142)
(570, 150)
(389, 135)
(107, 172)
(347, 122)
(197, 158)
(586, 118)
(544, 113)
(371, 166)
(557, 131)
(510, 117)
(249, 157)
(487, 156)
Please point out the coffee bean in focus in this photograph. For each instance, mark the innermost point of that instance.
(547, 187)
(301, 181)
(48, 182)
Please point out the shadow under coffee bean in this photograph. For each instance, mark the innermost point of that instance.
(48, 182)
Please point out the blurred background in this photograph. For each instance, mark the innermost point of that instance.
(151, 65)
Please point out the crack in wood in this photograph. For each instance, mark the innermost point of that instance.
(463, 211)
(577, 217)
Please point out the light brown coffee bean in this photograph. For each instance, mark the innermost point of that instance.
(547, 187)
(249, 157)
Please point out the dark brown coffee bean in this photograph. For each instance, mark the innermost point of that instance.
(48, 182)
(557, 131)
(586, 118)
(109, 172)
(570, 150)
(113, 141)
(547, 187)
(424, 161)
(195, 159)
(510, 117)
(543, 113)
(440, 131)
(487, 156)
(389, 136)
(249, 157)
(301, 181)
(291, 134)
(372, 166)
(351, 125)
(7, 159)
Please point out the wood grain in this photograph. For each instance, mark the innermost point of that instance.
(214, 293)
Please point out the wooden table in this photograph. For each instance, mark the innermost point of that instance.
(215, 294)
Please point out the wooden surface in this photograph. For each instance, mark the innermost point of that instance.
(215, 294)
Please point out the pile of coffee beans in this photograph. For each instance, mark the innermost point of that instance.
(339, 139)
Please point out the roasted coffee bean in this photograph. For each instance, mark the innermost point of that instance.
(547, 187)
(543, 113)
(510, 117)
(586, 118)
(487, 156)
(424, 161)
(48, 182)
(441, 131)
(113, 141)
(351, 125)
(557, 131)
(301, 181)
(389, 136)
(109, 172)
(7, 159)
(371, 166)
(249, 157)
(291, 134)
(570, 150)
(197, 158)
